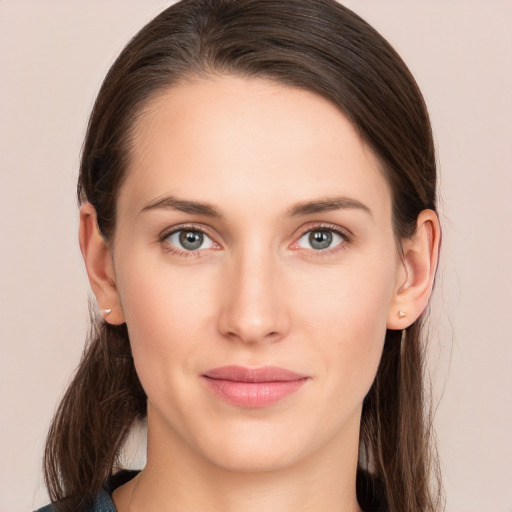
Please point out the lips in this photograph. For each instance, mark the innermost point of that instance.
(253, 387)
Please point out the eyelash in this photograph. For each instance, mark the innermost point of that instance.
(346, 236)
(177, 252)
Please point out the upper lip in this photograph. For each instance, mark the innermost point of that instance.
(260, 374)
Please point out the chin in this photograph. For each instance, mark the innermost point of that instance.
(247, 458)
(248, 446)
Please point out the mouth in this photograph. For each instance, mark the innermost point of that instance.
(253, 387)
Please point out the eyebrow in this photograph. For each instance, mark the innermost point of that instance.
(182, 205)
(299, 209)
(327, 204)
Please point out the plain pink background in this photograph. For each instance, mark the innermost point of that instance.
(53, 56)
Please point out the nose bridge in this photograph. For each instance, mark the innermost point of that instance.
(254, 309)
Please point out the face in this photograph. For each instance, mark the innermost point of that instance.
(255, 264)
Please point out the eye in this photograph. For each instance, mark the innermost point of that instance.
(320, 239)
(189, 240)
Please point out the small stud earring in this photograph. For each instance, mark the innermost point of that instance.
(105, 312)
(401, 314)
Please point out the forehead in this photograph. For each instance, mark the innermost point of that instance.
(246, 143)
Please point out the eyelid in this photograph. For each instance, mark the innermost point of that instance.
(166, 233)
(184, 227)
(319, 226)
(345, 234)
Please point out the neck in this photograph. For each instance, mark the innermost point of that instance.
(176, 479)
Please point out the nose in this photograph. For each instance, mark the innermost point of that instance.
(254, 308)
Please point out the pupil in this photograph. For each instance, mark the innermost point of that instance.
(320, 239)
(191, 240)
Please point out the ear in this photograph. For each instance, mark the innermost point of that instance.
(415, 278)
(99, 265)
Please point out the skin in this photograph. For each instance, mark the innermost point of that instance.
(256, 293)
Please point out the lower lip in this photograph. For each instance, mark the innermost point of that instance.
(253, 394)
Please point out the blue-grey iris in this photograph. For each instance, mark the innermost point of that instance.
(191, 240)
(320, 239)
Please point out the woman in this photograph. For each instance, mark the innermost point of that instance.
(257, 220)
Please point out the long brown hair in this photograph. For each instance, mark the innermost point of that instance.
(317, 45)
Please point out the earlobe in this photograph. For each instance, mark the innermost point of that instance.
(99, 265)
(415, 278)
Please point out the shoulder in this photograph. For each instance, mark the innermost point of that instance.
(102, 502)
(48, 508)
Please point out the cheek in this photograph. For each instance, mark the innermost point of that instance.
(349, 300)
(348, 321)
(166, 311)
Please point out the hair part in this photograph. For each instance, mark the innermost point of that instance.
(316, 45)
